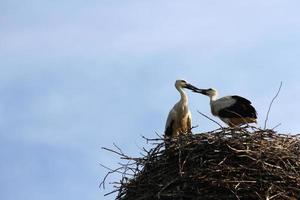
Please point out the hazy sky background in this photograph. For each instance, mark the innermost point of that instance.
(79, 75)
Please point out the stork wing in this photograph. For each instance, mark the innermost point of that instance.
(189, 123)
(241, 99)
(170, 122)
(240, 108)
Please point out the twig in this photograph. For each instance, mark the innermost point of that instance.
(111, 192)
(120, 150)
(270, 106)
(152, 139)
(123, 156)
(111, 171)
(156, 133)
(210, 119)
(167, 185)
(194, 127)
(276, 126)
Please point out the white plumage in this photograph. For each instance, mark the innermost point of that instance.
(179, 120)
(233, 110)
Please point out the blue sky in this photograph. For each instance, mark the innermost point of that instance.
(79, 75)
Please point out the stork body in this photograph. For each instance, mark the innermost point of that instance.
(233, 110)
(179, 120)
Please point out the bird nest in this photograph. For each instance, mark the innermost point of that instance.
(224, 164)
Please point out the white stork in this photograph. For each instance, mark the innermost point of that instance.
(180, 119)
(233, 110)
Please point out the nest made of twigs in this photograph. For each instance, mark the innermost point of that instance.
(223, 164)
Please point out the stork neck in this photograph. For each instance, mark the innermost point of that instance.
(213, 98)
(183, 96)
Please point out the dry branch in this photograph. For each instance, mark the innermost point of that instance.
(270, 106)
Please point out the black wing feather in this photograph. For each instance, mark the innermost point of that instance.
(169, 129)
(241, 99)
(241, 108)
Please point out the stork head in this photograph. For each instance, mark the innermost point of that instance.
(211, 92)
(184, 84)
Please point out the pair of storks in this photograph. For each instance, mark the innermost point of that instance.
(233, 110)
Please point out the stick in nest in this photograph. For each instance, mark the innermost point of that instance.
(270, 106)
(210, 119)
